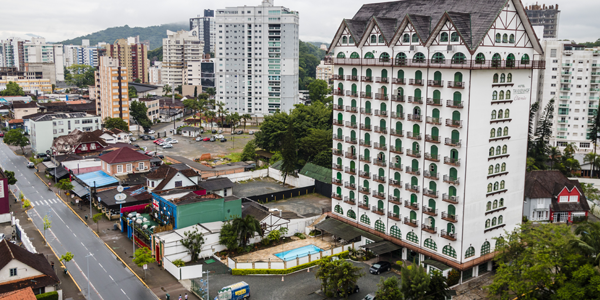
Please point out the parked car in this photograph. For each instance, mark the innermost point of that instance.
(219, 136)
(161, 156)
(30, 165)
(132, 139)
(223, 140)
(220, 131)
(240, 132)
(201, 130)
(151, 137)
(1, 134)
(168, 139)
(173, 141)
(380, 267)
(151, 131)
(159, 141)
(206, 139)
(212, 139)
(350, 291)
(167, 145)
(370, 296)
(136, 145)
(250, 132)
(214, 131)
(199, 139)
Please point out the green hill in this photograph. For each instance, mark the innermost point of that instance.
(154, 34)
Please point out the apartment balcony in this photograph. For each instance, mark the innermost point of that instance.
(432, 138)
(381, 113)
(429, 228)
(451, 180)
(432, 157)
(351, 186)
(338, 92)
(336, 167)
(412, 188)
(449, 218)
(378, 195)
(443, 64)
(399, 133)
(379, 96)
(337, 77)
(350, 140)
(336, 152)
(382, 79)
(336, 181)
(365, 159)
(454, 104)
(366, 78)
(454, 123)
(365, 143)
(415, 100)
(351, 93)
(366, 95)
(338, 137)
(336, 196)
(351, 124)
(366, 127)
(379, 146)
(397, 98)
(564, 89)
(396, 183)
(452, 142)
(379, 162)
(434, 101)
(414, 136)
(350, 201)
(412, 171)
(363, 205)
(434, 121)
(338, 122)
(414, 118)
(380, 179)
(397, 115)
(395, 200)
(351, 171)
(394, 216)
(450, 199)
(363, 190)
(452, 161)
(411, 205)
(411, 222)
(381, 129)
(435, 83)
(430, 211)
(413, 153)
(431, 175)
(448, 235)
(352, 109)
(456, 84)
(364, 174)
(377, 210)
(397, 150)
(350, 155)
(415, 82)
(351, 78)
(366, 111)
(338, 107)
(398, 80)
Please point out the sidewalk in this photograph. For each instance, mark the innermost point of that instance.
(70, 289)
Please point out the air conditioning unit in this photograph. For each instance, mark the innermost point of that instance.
(412, 47)
(450, 48)
(453, 198)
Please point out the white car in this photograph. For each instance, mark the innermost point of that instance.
(167, 145)
(173, 141)
(151, 132)
(199, 139)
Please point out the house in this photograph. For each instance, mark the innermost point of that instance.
(21, 269)
(22, 294)
(153, 106)
(45, 127)
(82, 166)
(21, 109)
(4, 110)
(78, 142)
(16, 124)
(135, 195)
(125, 161)
(169, 114)
(114, 136)
(221, 186)
(190, 131)
(550, 196)
(168, 177)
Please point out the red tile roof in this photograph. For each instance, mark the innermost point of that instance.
(22, 294)
(15, 121)
(123, 155)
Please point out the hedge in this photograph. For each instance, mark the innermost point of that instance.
(284, 271)
(47, 296)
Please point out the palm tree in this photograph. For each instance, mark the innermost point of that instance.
(593, 159)
(234, 119)
(166, 89)
(587, 241)
(246, 117)
(246, 228)
(210, 115)
(221, 111)
(554, 156)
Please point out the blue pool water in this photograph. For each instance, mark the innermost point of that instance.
(298, 252)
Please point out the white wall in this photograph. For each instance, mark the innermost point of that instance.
(247, 175)
(23, 271)
(300, 181)
(24, 237)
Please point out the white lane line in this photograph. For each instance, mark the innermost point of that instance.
(123, 292)
(86, 279)
(111, 278)
(46, 202)
(102, 267)
(32, 203)
(83, 245)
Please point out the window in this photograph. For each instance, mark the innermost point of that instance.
(509, 77)
(493, 115)
(140, 166)
(493, 133)
(491, 152)
(505, 131)
(381, 41)
(495, 78)
(504, 149)
(444, 37)
(480, 58)
(496, 186)
(494, 221)
(470, 252)
(501, 202)
(488, 206)
(511, 39)
(485, 248)
(412, 237)
(502, 78)
(429, 243)
(490, 170)
(129, 167)
(438, 58)
(505, 38)
(120, 169)
(379, 226)
(344, 40)
(406, 38)
(93, 146)
(502, 183)
(341, 55)
(454, 37)
(498, 38)
(495, 95)
(500, 114)
(503, 168)
(448, 250)
(373, 39)
(495, 204)
(365, 219)
(498, 150)
(500, 220)
(351, 214)
(13, 272)
(419, 58)
(459, 58)
(497, 168)
(489, 188)
(415, 38)
(338, 209)
(487, 224)
(178, 183)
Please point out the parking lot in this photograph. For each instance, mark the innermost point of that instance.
(305, 206)
(257, 187)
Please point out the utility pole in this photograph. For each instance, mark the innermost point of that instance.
(88, 273)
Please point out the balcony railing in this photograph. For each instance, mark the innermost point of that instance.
(337, 152)
(397, 150)
(432, 157)
(338, 107)
(453, 143)
(381, 113)
(349, 185)
(451, 180)
(454, 104)
(411, 205)
(379, 162)
(336, 196)
(368, 95)
(395, 132)
(414, 118)
(380, 146)
(363, 205)
(366, 78)
(364, 174)
(434, 121)
(454, 123)
(365, 159)
(412, 188)
(351, 78)
(435, 83)
(410, 170)
(338, 92)
(456, 84)
(449, 218)
(336, 167)
(394, 216)
(350, 171)
(413, 153)
(378, 210)
(450, 199)
(411, 222)
(432, 138)
(446, 63)
(429, 228)
(382, 79)
(350, 201)
(352, 109)
(430, 193)
(381, 129)
(338, 137)
(338, 122)
(434, 101)
(430, 211)
(365, 143)
(414, 136)
(398, 98)
(416, 100)
(378, 178)
(336, 181)
(395, 200)
(365, 127)
(415, 81)
(366, 111)
(351, 140)
(448, 235)
(397, 115)
(378, 195)
(396, 183)
(350, 155)
(399, 81)
(352, 93)
(431, 175)
(379, 96)
(364, 190)
(452, 161)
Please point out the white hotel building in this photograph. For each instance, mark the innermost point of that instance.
(431, 102)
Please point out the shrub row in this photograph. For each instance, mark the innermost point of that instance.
(342, 255)
(47, 296)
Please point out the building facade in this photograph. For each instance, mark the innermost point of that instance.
(206, 29)
(324, 71)
(38, 51)
(572, 79)
(153, 106)
(547, 16)
(410, 102)
(12, 53)
(132, 55)
(256, 63)
(180, 50)
(45, 127)
(80, 55)
(155, 73)
(112, 92)
(33, 86)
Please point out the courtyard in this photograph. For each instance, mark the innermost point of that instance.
(268, 254)
(305, 206)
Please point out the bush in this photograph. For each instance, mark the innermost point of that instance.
(300, 235)
(47, 296)
(525, 219)
(453, 277)
(315, 233)
(179, 263)
(342, 255)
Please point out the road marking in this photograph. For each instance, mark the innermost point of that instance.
(123, 292)
(45, 202)
(83, 245)
(102, 267)
(111, 278)
(32, 203)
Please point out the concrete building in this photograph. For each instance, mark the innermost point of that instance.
(181, 49)
(47, 69)
(427, 103)
(132, 55)
(263, 77)
(153, 106)
(206, 29)
(112, 94)
(125, 161)
(155, 73)
(572, 79)
(207, 74)
(38, 51)
(324, 72)
(80, 55)
(12, 53)
(21, 109)
(34, 86)
(45, 127)
(547, 16)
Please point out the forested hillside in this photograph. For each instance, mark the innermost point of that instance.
(310, 57)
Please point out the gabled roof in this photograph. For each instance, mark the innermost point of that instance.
(10, 251)
(22, 294)
(317, 172)
(422, 25)
(25, 105)
(123, 155)
(215, 184)
(548, 184)
(462, 23)
(387, 26)
(166, 173)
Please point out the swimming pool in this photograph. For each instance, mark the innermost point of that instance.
(298, 252)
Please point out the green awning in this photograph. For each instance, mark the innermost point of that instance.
(382, 247)
(437, 264)
(345, 231)
(319, 173)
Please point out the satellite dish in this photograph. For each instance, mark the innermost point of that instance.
(145, 226)
(120, 189)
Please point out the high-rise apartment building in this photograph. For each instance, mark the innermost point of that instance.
(181, 51)
(572, 79)
(155, 73)
(37, 51)
(206, 29)
(257, 52)
(132, 55)
(431, 103)
(81, 55)
(11, 53)
(112, 92)
(547, 16)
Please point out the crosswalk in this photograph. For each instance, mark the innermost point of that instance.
(45, 202)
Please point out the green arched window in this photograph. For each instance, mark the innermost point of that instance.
(369, 73)
(459, 58)
(448, 250)
(350, 40)
(509, 77)
(354, 55)
(502, 78)
(400, 74)
(406, 38)
(504, 149)
(365, 219)
(498, 38)
(454, 37)
(510, 60)
(496, 60)
(485, 248)
(480, 58)
(429, 243)
(525, 59)
(384, 57)
(505, 38)
(438, 58)
(494, 95)
(351, 214)
(338, 209)
(419, 57)
(488, 206)
(373, 39)
(379, 226)
(415, 38)
(511, 39)
(344, 40)
(341, 55)
(495, 78)
(395, 231)
(369, 55)
(470, 252)
(444, 37)
(341, 71)
(381, 41)
(507, 95)
(400, 59)
(411, 236)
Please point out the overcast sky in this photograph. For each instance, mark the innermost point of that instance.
(59, 20)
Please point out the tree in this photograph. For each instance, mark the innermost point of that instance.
(337, 276)
(388, 289)
(142, 257)
(139, 112)
(249, 152)
(137, 80)
(245, 117)
(438, 287)
(211, 91)
(587, 241)
(67, 257)
(590, 192)
(221, 110)
(274, 235)
(12, 89)
(228, 236)
(271, 131)
(317, 141)
(96, 218)
(290, 156)
(193, 240)
(166, 89)
(179, 89)
(118, 123)
(593, 159)
(554, 157)
(531, 129)
(210, 117)
(15, 137)
(317, 90)
(246, 228)
(80, 75)
(64, 185)
(47, 225)
(415, 281)
(132, 92)
(10, 175)
(35, 161)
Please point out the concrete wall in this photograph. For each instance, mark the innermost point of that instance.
(24, 237)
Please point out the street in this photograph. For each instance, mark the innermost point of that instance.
(109, 278)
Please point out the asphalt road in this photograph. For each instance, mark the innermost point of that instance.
(109, 278)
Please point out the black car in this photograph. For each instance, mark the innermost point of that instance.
(240, 132)
(350, 291)
(380, 267)
(214, 131)
(223, 140)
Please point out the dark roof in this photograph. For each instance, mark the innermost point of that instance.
(437, 264)
(25, 105)
(160, 173)
(124, 154)
(56, 116)
(548, 184)
(253, 209)
(10, 251)
(381, 247)
(132, 179)
(193, 198)
(345, 231)
(264, 153)
(215, 184)
(135, 195)
(319, 173)
(191, 163)
(147, 99)
(141, 87)
(67, 157)
(167, 172)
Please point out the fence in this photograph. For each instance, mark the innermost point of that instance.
(247, 175)
(22, 235)
(300, 181)
(186, 272)
(283, 194)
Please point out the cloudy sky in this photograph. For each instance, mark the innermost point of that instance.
(58, 20)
